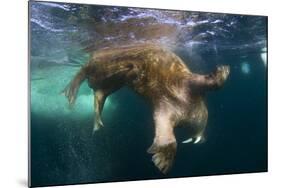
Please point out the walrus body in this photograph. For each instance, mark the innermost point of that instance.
(174, 92)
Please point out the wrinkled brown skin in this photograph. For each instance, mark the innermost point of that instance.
(174, 92)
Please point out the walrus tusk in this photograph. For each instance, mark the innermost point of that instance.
(187, 141)
(198, 139)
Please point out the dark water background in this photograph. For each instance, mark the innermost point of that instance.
(63, 151)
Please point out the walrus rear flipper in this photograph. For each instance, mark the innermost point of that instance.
(215, 80)
(72, 88)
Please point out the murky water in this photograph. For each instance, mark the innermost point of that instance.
(63, 150)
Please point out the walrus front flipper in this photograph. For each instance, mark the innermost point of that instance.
(164, 145)
(211, 81)
(72, 88)
(99, 100)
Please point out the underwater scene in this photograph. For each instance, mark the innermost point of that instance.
(121, 93)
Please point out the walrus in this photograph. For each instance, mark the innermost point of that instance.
(175, 94)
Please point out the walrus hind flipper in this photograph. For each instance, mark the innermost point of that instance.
(215, 80)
